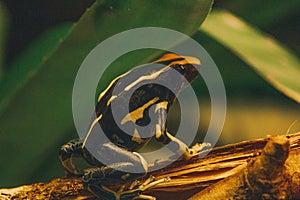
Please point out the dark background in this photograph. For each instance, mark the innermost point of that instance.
(32, 17)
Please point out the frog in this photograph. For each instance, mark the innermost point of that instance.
(148, 99)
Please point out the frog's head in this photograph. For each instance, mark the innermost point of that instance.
(186, 65)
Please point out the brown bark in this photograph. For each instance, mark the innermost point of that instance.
(268, 176)
(246, 170)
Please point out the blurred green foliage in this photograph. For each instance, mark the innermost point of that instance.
(35, 101)
(3, 31)
(270, 59)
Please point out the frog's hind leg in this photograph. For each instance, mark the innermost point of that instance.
(94, 178)
(122, 166)
(133, 192)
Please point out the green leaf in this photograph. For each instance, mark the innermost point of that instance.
(25, 66)
(267, 13)
(38, 113)
(269, 58)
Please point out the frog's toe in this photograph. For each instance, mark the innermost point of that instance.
(103, 192)
(135, 189)
(196, 149)
(67, 151)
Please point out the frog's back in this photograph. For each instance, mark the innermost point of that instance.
(137, 87)
(133, 97)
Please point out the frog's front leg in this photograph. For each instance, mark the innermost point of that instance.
(174, 144)
(181, 149)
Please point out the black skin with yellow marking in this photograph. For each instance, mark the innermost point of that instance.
(122, 146)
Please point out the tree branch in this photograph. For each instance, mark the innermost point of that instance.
(247, 168)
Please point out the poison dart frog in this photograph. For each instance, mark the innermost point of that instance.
(147, 98)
